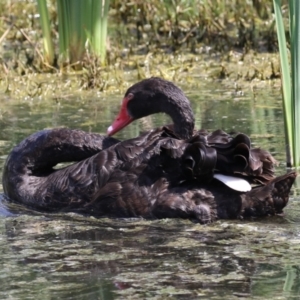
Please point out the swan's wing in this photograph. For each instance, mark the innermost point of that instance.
(236, 156)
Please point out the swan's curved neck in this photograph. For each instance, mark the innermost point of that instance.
(182, 117)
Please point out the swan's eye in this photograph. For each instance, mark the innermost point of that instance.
(126, 99)
(129, 96)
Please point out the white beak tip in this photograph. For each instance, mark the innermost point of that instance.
(110, 129)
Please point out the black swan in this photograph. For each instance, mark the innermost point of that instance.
(167, 172)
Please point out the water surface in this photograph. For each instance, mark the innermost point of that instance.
(68, 256)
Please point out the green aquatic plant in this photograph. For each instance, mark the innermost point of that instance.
(82, 26)
(45, 24)
(290, 78)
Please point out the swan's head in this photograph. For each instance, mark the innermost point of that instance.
(155, 95)
(123, 118)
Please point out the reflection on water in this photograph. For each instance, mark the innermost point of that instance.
(67, 256)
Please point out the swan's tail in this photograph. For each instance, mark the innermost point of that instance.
(271, 198)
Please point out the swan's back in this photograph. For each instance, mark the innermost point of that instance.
(29, 176)
(155, 175)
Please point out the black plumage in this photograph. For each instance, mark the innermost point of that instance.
(167, 172)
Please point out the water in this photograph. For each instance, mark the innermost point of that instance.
(68, 256)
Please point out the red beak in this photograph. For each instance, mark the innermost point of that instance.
(123, 118)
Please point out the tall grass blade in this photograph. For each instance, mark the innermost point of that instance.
(295, 62)
(82, 26)
(63, 30)
(99, 28)
(290, 78)
(45, 24)
(286, 81)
